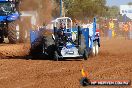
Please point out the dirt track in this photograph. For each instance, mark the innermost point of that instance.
(114, 62)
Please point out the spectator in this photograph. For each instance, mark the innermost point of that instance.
(105, 28)
(130, 31)
(126, 30)
(111, 28)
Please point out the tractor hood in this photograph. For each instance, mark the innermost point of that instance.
(4, 0)
(13, 16)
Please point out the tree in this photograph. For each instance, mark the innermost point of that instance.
(56, 8)
(130, 3)
(113, 12)
(82, 9)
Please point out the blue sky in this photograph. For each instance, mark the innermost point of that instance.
(117, 2)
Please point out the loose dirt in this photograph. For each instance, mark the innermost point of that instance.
(113, 62)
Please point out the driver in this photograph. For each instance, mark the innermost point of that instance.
(60, 33)
(61, 30)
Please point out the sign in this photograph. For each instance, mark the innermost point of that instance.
(126, 10)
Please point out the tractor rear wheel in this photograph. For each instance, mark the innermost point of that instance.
(1, 39)
(50, 47)
(12, 32)
(56, 56)
(1, 36)
(23, 36)
(82, 48)
(85, 55)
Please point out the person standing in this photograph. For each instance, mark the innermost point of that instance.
(111, 28)
(130, 30)
(105, 28)
(126, 30)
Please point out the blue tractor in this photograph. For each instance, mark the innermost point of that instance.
(67, 41)
(9, 15)
(75, 41)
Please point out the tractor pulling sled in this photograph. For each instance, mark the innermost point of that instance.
(9, 15)
(66, 41)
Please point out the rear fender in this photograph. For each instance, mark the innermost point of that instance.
(85, 33)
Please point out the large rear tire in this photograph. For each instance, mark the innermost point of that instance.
(82, 48)
(56, 56)
(1, 36)
(43, 45)
(12, 32)
(23, 34)
(1, 39)
(85, 55)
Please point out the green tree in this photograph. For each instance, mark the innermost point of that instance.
(81, 9)
(113, 12)
(130, 3)
(56, 8)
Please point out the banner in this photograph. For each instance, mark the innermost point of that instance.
(126, 10)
